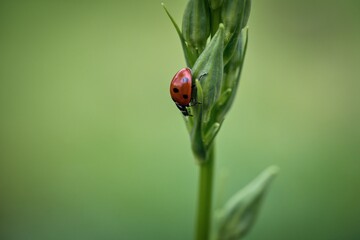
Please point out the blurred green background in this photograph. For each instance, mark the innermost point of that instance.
(92, 147)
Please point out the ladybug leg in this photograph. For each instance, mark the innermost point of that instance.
(194, 103)
(183, 110)
(202, 75)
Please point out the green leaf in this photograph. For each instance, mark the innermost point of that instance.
(189, 55)
(240, 212)
(197, 143)
(211, 63)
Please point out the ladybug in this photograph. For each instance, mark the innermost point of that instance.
(181, 87)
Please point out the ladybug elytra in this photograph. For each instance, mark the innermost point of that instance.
(181, 89)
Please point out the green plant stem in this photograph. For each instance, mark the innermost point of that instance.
(203, 224)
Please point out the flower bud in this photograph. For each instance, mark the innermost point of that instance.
(232, 43)
(234, 14)
(215, 4)
(231, 46)
(231, 78)
(196, 24)
(246, 14)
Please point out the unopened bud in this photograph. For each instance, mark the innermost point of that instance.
(196, 24)
(234, 14)
(215, 4)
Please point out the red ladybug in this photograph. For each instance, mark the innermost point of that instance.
(181, 88)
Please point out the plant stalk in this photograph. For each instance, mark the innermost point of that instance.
(203, 222)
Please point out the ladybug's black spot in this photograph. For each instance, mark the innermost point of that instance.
(175, 90)
(185, 80)
(185, 96)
